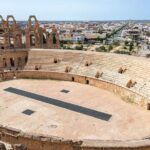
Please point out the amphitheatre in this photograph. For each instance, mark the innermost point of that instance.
(54, 99)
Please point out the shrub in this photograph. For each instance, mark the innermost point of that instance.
(116, 43)
(131, 46)
(110, 47)
(101, 49)
(126, 43)
(79, 47)
(122, 52)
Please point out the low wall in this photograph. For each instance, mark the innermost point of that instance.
(18, 56)
(35, 142)
(41, 142)
(126, 94)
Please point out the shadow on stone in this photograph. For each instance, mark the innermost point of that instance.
(59, 103)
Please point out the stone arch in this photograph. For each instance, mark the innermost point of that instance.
(12, 41)
(26, 59)
(44, 38)
(31, 20)
(2, 31)
(32, 39)
(34, 33)
(11, 21)
(53, 39)
(12, 62)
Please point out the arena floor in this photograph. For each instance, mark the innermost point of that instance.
(70, 110)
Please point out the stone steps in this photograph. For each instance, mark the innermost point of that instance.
(138, 69)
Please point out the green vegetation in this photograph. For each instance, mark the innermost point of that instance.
(101, 49)
(66, 47)
(122, 52)
(79, 47)
(110, 47)
(126, 43)
(116, 43)
(115, 32)
(131, 46)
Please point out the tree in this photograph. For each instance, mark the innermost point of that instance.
(79, 47)
(101, 49)
(116, 43)
(126, 43)
(131, 46)
(98, 38)
(61, 45)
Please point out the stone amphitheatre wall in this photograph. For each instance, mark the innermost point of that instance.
(41, 142)
(124, 71)
(125, 93)
(12, 60)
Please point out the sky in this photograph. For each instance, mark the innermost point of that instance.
(77, 9)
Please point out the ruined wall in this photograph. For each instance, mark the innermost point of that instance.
(11, 33)
(53, 39)
(35, 36)
(12, 60)
(41, 142)
(34, 33)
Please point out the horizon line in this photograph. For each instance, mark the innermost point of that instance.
(91, 20)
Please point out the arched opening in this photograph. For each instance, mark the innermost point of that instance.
(32, 22)
(32, 40)
(11, 21)
(1, 31)
(54, 38)
(73, 79)
(11, 42)
(2, 47)
(87, 82)
(44, 38)
(23, 38)
(12, 62)
(26, 59)
(148, 106)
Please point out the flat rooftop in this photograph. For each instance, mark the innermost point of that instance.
(70, 110)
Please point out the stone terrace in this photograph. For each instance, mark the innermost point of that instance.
(89, 63)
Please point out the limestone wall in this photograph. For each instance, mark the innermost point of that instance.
(19, 58)
(41, 142)
(125, 93)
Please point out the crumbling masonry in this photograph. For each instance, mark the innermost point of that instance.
(11, 35)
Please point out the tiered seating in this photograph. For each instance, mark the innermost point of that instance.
(137, 69)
